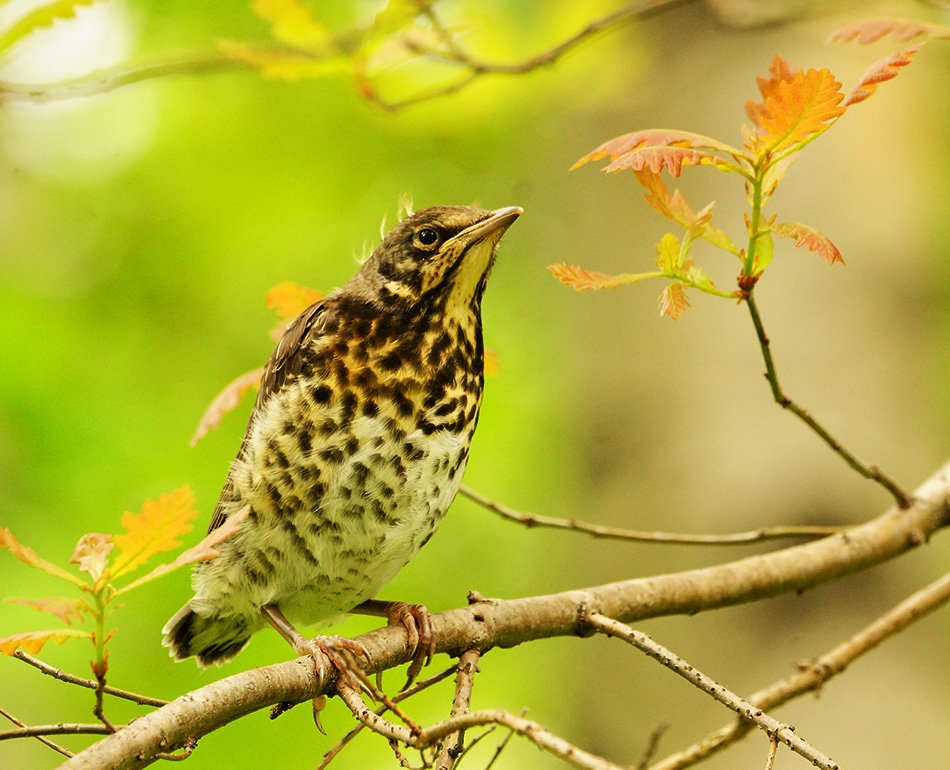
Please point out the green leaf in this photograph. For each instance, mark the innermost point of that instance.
(763, 252)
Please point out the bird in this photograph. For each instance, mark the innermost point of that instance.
(355, 446)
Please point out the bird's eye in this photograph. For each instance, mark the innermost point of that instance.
(427, 236)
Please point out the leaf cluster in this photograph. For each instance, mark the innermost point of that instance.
(105, 564)
(794, 108)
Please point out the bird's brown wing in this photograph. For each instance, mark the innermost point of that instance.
(285, 362)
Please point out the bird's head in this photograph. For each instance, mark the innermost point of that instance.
(441, 254)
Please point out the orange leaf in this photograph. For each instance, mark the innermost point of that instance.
(582, 279)
(811, 239)
(92, 554)
(32, 641)
(67, 610)
(290, 299)
(153, 530)
(204, 551)
(657, 158)
(225, 401)
(780, 70)
(658, 137)
(673, 301)
(872, 30)
(799, 108)
(881, 70)
(30, 557)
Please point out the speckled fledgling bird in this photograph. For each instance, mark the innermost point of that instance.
(356, 445)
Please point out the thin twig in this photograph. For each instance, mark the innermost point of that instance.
(330, 755)
(613, 533)
(540, 736)
(64, 676)
(474, 67)
(872, 472)
(814, 674)
(501, 746)
(40, 738)
(453, 744)
(58, 729)
(773, 750)
(773, 728)
(110, 79)
(653, 743)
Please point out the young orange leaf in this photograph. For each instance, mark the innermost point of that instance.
(153, 530)
(675, 207)
(30, 557)
(32, 641)
(225, 401)
(582, 279)
(92, 554)
(673, 301)
(203, 551)
(290, 299)
(780, 70)
(656, 158)
(800, 108)
(881, 70)
(67, 610)
(872, 30)
(811, 239)
(657, 137)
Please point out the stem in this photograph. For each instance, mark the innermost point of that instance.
(756, 218)
(868, 471)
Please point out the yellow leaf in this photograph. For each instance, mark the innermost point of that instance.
(673, 301)
(668, 254)
(32, 641)
(225, 401)
(67, 610)
(284, 64)
(292, 22)
(153, 530)
(290, 299)
(491, 362)
(30, 557)
(92, 554)
(203, 551)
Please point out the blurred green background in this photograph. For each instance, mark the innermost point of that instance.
(142, 229)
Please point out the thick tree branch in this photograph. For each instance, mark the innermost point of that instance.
(495, 623)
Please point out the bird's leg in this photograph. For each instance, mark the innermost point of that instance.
(335, 648)
(417, 621)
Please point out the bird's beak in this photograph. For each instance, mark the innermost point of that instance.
(494, 224)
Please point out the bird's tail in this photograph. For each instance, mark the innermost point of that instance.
(210, 638)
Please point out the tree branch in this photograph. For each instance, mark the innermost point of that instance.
(614, 533)
(815, 673)
(746, 710)
(495, 623)
(64, 676)
(871, 472)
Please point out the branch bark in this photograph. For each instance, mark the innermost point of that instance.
(488, 623)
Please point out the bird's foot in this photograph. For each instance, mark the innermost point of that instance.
(417, 621)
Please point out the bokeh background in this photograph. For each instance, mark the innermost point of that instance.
(142, 229)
